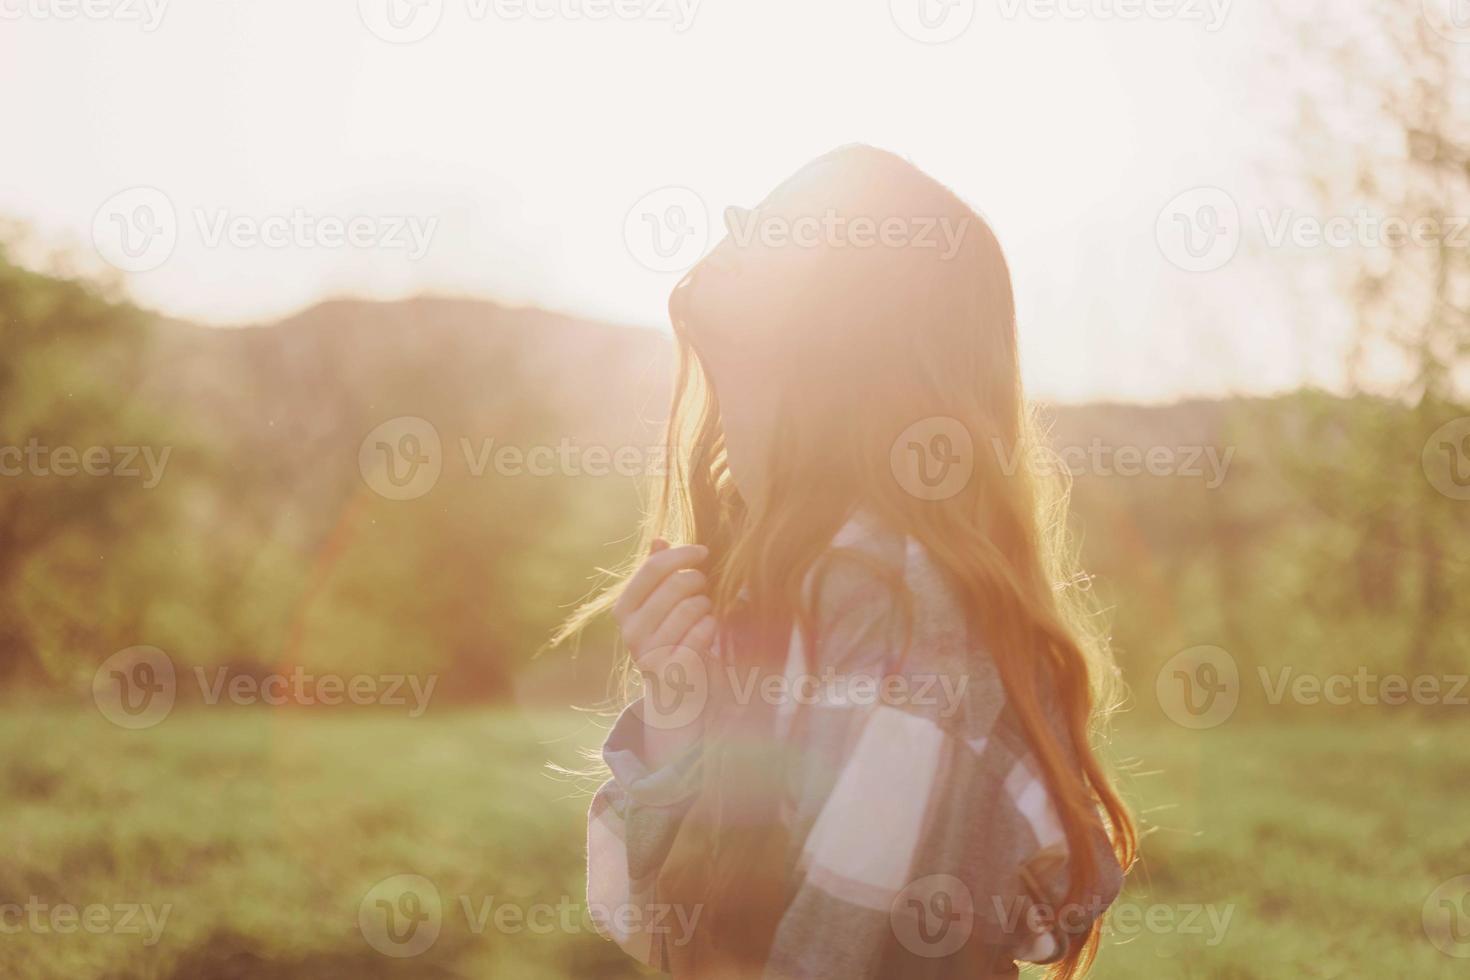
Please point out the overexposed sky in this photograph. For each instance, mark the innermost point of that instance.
(515, 137)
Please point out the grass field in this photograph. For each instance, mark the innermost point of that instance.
(263, 832)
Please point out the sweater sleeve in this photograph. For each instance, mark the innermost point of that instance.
(929, 847)
(631, 825)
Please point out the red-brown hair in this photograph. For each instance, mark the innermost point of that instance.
(874, 340)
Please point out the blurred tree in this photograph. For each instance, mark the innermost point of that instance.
(1382, 132)
(72, 360)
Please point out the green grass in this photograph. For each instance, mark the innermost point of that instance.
(265, 830)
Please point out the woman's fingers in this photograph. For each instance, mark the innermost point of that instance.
(701, 636)
(660, 563)
(699, 639)
(679, 621)
(644, 624)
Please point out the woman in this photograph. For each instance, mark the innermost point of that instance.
(865, 749)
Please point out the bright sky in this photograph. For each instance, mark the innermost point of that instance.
(517, 145)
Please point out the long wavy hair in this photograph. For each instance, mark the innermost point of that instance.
(856, 343)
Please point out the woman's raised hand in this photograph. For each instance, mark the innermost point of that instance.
(666, 620)
(663, 607)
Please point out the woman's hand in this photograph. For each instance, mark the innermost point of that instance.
(663, 607)
(665, 619)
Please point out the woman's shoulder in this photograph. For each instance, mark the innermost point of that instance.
(882, 603)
